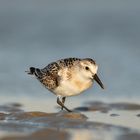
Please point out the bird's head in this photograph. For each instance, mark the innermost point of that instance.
(88, 70)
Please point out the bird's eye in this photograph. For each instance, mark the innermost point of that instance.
(86, 68)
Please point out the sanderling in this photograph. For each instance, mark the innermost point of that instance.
(67, 77)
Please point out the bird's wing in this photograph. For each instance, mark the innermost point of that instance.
(50, 78)
(57, 71)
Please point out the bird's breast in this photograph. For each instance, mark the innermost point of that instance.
(81, 85)
(71, 83)
(72, 87)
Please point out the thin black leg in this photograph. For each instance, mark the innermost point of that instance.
(62, 105)
(63, 101)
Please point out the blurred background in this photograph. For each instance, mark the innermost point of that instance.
(37, 32)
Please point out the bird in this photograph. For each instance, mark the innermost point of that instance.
(67, 77)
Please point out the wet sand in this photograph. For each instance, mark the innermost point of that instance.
(96, 120)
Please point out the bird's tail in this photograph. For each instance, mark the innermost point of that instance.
(34, 71)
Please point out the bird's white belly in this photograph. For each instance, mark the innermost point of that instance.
(71, 88)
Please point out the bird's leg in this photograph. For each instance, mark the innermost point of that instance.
(63, 101)
(62, 105)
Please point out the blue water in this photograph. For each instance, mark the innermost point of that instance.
(34, 33)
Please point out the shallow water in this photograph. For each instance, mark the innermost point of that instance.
(36, 33)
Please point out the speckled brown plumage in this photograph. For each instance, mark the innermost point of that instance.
(48, 76)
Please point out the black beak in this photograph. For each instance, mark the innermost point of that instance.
(96, 78)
